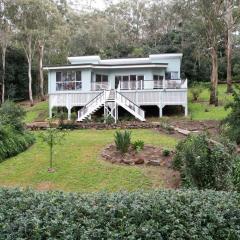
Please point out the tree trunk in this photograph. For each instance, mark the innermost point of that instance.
(40, 70)
(229, 21)
(229, 64)
(3, 73)
(214, 78)
(29, 57)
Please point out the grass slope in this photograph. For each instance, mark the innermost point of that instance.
(78, 164)
(201, 110)
(38, 112)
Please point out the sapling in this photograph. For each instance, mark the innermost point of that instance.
(52, 136)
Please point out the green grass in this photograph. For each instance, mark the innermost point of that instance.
(78, 164)
(201, 110)
(39, 112)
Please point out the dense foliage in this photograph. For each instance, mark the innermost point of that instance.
(122, 140)
(13, 137)
(13, 142)
(16, 75)
(231, 124)
(205, 164)
(13, 115)
(137, 215)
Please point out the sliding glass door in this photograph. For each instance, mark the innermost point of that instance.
(129, 82)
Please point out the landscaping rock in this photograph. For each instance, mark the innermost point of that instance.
(139, 161)
(153, 163)
(129, 162)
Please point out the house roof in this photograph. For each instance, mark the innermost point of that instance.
(106, 66)
(154, 60)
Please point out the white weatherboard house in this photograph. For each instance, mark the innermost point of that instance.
(92, 83)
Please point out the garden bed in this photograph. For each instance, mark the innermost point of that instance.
(150, 155)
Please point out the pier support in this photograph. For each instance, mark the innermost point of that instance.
(69, 113)
(160, 111)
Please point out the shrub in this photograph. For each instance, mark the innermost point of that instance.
(166, 152)
(26, 214)
(109, 120)
(196, 91)
(61, 117)
(74, 118)
(138, 145)
(13, 137)
(122, 141)
(204, 164)
(13, 142)
(236, 174)
(231, 124)
(12, 114)
(166, 126)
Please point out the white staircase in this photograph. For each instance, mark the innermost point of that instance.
(110, 99)
(92, 106)
(130, 106)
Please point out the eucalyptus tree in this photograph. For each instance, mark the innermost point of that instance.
(5, 39)
(232, 17)
(30, 14)
(207, 18)
(50, 21)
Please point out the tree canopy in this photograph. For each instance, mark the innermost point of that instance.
(206, 32)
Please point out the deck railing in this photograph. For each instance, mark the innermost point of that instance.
(151, 84)
(96, 86)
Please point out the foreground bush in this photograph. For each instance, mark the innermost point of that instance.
(140, 215)
(204, 164)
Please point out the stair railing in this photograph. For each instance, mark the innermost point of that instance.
(92, 104)
(130, 104)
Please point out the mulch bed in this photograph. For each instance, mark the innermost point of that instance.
(150, 155)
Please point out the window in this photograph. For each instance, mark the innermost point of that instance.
(117, 81)
(140, 84)
(174, 75)
(133, 79)
(68, 80)
(125, 82)
(131, 82)
(157, 81)
(171, 75)
(101, 82)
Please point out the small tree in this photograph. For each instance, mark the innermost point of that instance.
(52, 136)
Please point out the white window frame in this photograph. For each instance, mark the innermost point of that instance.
(64, 84)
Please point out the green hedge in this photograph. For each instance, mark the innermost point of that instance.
(13, 142)
(141, 215)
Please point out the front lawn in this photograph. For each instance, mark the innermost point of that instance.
(79, 166)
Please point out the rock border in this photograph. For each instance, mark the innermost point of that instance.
(150, 156)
